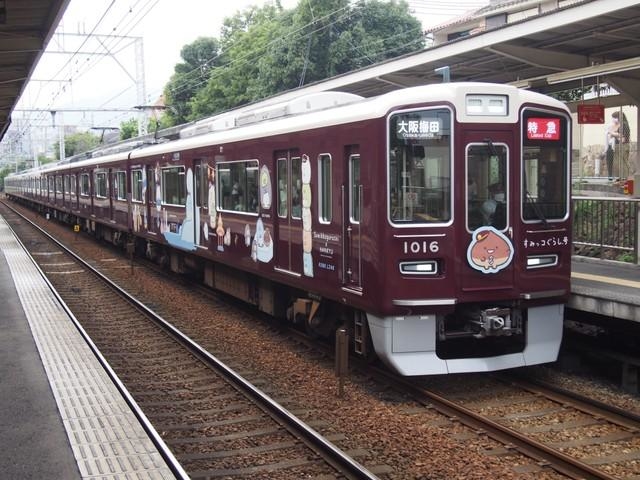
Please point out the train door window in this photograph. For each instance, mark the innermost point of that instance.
(174, 186)
(136, 185)
(355, 186)
(101, 184)
(67, 184)
(419, 166)
(283, 180)
(545, 194)
(487, 185)
(296, 187)
(324, 187)
(84, 185)
(72, 186)
(198, 178)
(121, 185)
(59, 184)
(151, 185)
(50, 184)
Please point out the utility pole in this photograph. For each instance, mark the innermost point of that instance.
(60, 133)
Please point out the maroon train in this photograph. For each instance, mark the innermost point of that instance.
(433, 222)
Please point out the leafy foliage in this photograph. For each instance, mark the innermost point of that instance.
(267, 50)
(128, 129)
(77, 143)
(199, 58)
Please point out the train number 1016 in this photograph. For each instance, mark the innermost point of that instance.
(421, 247)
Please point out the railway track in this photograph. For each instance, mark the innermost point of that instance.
(502, 445)
(215, 422)
(573, 435)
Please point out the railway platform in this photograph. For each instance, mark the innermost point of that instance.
(61, 416)
(605, 288)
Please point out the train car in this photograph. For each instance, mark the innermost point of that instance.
(433, 222)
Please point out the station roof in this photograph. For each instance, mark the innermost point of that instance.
(584, 43)
(26, 26)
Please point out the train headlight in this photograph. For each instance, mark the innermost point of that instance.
(421, 267)
(542, 261)
(479, 104)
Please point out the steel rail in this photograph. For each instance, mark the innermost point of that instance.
(163, 449)
(544, 454)
(339, 460)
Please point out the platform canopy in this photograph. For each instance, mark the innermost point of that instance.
(26, 26)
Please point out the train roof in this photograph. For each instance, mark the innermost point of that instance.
(309, 112)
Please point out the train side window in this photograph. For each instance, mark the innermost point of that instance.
(174, 186)
(101, 185)
(324, 188)
(67, 184)
(354, 200)
(59, 184)
(238, 186)
(72, 186)
(283, 180)
(121, 185)
(136, 185)
(84, 185)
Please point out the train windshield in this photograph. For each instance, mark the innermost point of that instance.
(420, 166)
(544, 166)
(487, 186)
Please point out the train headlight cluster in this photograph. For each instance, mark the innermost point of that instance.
(541, 261)
(423, 267)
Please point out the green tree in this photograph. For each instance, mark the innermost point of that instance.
(77, 143)
(190, 76)
(3, 173)
(128, 129)
(269, 50)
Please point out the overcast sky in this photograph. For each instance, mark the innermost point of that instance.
(97, 70)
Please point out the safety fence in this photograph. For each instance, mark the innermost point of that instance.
(606, 228)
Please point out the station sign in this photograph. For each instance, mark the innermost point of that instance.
(591, 114)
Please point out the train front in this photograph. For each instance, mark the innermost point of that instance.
(478, 232)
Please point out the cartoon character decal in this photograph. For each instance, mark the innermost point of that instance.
(188, 235)
(490, 250)
(307, 241)
(220, 233)
(210, 226)
(265, 188)
(262, 246)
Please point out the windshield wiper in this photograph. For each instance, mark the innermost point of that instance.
(535, 206)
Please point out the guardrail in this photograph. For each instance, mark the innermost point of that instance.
(607, 228)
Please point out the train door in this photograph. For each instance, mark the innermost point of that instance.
(489, 211)
(351, 224)
(149, 198)
(289, 212)
(111, 193)
(200, 191)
